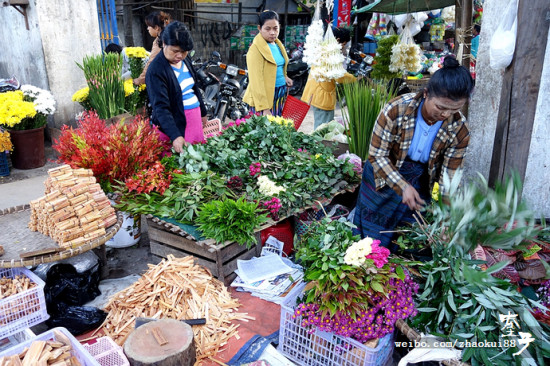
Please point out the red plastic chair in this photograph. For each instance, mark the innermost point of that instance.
(295, 110)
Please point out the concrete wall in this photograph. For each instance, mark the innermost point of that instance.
(70, 31)
(483, 110)
(536, 190)
(483, 113)
(61, 33)
(21, 54)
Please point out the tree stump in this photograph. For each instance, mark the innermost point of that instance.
(165, 342)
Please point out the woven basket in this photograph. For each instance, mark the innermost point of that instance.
(306, 218)
(417, 85)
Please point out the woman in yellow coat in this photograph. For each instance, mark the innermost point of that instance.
(266, 61)
(323, 94)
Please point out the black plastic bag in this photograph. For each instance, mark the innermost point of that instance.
(77, 319)
(65, 285)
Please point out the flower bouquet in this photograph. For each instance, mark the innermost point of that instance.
(114, 153)
(358, 291)
(26, 109)
(135, 94)
(5, 147)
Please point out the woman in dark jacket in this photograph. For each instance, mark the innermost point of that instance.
(177, 104)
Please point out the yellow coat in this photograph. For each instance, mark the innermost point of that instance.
(262, 73)
(323, 94)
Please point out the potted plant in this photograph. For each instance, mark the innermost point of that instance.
(24, 113)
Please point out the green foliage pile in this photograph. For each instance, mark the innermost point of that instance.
(381, 67)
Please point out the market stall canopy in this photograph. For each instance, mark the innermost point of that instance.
(404, 6)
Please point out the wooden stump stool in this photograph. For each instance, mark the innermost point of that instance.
(164, 342)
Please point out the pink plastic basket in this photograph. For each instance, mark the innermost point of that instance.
(107, 352)
(295, 110)
(25, 309)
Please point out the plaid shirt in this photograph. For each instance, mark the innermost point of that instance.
(392, 136)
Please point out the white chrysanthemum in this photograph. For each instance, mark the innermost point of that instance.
(357, 252)
(43, 100)
(448, 14)
(268, 187)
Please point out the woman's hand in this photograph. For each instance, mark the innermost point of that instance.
(412, 199)
(266, 112)
(204, 120)
(289, 81)
(135, 82)
(178, 144)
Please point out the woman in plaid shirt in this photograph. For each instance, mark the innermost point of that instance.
(417, 138)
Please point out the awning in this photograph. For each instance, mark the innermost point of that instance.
(404, 6)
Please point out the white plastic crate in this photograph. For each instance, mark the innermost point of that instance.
(77, 349)
(15, 339)
(318, 348)
(25, 309)
(107, 352)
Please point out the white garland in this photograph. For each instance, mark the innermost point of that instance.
(405, 58)
(448, 14)
(312, 47)
(331, 59)
(267, 187)
(43, 100)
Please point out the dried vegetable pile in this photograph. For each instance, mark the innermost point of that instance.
(176, 288)
(74, 210)
(56, 352)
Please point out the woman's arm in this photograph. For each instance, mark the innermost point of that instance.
(159, 95)
(453, 156)
(383, 136)
(256, 86)
(154, 52)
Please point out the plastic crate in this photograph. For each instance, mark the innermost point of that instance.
(107, 352)
(314, 347)
(4, 166)
(77, 349)
(25, 309)
(282, 231)
(15, 339)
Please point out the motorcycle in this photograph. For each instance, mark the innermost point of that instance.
(9, 84)
(298, 71)
(207, 82)
(233, 84)
(359, 63)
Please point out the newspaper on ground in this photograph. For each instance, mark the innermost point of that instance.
(269, 277)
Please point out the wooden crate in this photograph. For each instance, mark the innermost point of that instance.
(220, 259)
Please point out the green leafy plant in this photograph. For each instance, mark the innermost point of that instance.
(460, 302)
(382, 60)
(230, 220)
(363, 103)
(105, 86)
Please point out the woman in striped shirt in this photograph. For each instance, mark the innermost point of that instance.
(177, 104)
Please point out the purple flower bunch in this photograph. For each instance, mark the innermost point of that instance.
(544, 293)
(374, 322)
(255, 168)
(273, 206)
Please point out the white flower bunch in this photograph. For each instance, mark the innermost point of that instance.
(268, 187)
(356, 253)
(405, 58)
(331, 60)
(43, 100)
(312, 47)
(448, 14)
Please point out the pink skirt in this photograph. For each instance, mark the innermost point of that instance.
(193, 131)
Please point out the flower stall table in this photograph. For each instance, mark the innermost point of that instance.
(18, 241)
(167, 237)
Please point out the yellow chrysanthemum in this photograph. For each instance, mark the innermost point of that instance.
(141, 87)
(5, 142)
(435, 192)
(129, 87)
(137, 52)
(280, 120)
(81, 95)
(13, 109)
(317, 156)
